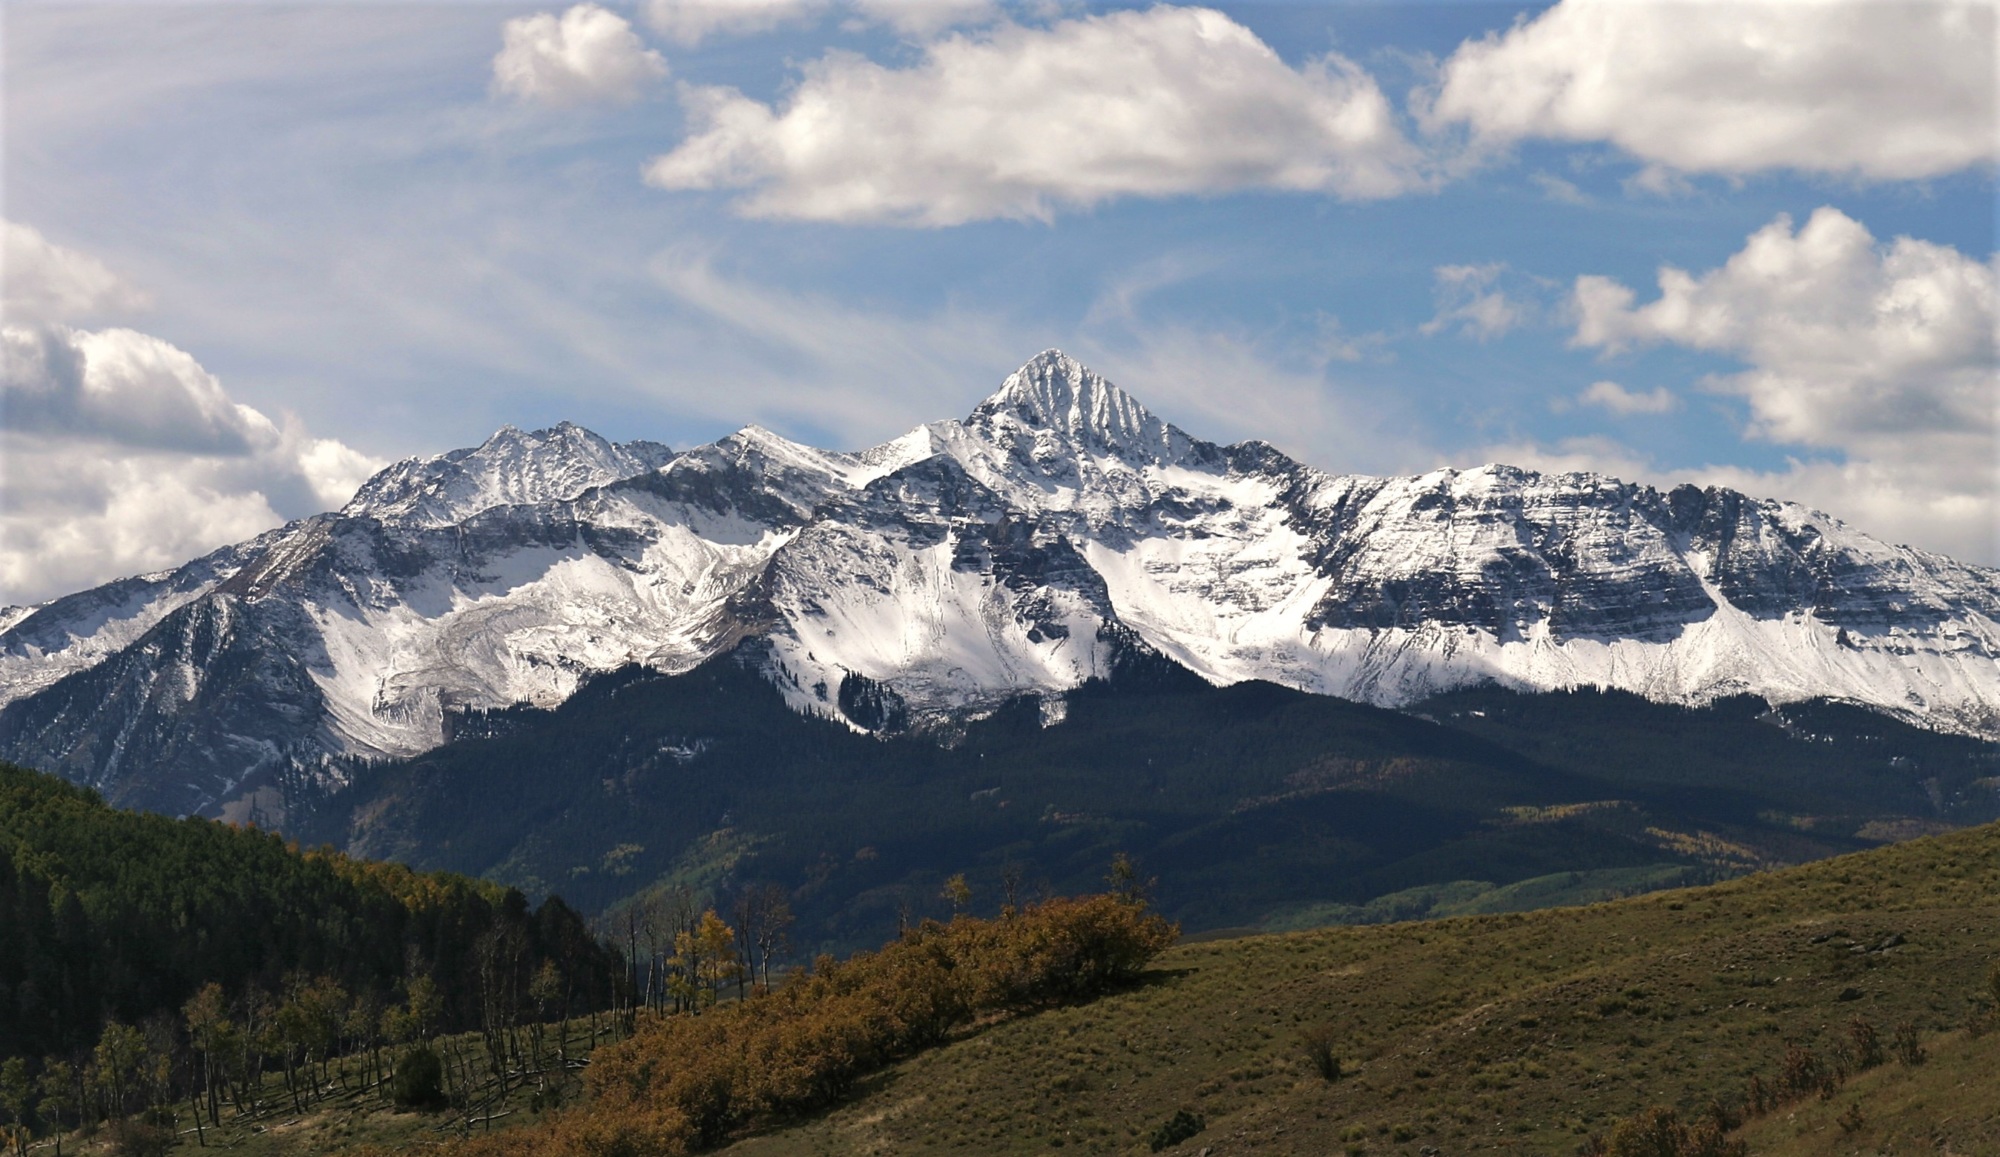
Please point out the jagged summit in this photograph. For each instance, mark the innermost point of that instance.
(510, 468)
(1057, 394)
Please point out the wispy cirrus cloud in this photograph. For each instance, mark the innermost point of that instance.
(689, 22)
(1470, 302)
(879, 372)
(925, 18)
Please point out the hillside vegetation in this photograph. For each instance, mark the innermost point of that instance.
(1521, 1032)
(1848, 1006)
(685, 1083)
(1948, 1104)
(142, 957)
(1254, 806)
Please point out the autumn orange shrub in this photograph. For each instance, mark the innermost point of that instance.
(683, 1083)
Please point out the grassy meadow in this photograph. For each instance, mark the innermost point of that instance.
(1518, 1032)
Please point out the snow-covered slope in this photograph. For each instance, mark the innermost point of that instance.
(41, 644)
(926, 580)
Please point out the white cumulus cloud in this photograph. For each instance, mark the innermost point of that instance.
(74, 518)
(1870, 88)
(1881, 355)
(1619, 400)
(1018, 122)
(122, 386)
(121, 454)
(586, 54)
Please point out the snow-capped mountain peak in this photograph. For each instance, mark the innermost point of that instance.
(924, 581)
(1056, 394)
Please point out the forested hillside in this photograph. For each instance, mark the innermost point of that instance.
(1253, 805)
(116, 918)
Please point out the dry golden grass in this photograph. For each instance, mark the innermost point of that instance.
(1948, 1105)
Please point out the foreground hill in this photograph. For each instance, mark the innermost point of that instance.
(1844, 1007)
(1521, 1032)
(1056, 531)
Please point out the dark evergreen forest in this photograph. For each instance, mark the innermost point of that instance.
(116, 917)
(1250, 805)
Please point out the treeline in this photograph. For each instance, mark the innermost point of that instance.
(137, 946)
(691, 1081)
(679, 954)
(223, 1062)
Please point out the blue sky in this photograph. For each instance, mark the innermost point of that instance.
(254, 251)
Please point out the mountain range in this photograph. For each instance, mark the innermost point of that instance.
(1058, 531)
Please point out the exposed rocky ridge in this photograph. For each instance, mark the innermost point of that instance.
(929, 579)
(509, 469)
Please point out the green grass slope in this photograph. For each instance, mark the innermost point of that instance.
(1516, 1032)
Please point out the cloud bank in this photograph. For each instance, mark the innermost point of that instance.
(1886, 91)
(1019, 122)
(119, 453)
(42, 281)
(689, 22)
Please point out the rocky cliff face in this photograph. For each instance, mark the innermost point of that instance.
(1057, 529)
